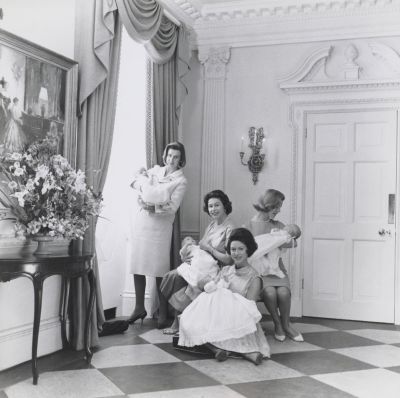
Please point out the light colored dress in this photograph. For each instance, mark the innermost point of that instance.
(174, 287)
(265, 260)
(152, 232)
(14, 137)
(225, 317)
(264, 227)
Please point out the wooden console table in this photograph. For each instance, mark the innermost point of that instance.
(37, 269)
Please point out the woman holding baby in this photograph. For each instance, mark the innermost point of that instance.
(161, 190)
(275, 288)
(174, 287)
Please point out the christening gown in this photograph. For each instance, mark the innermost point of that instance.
(224, 317)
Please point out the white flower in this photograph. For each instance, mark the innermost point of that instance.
(15, 156)
(30, 186)
(19, 171)
(41, 172)
(20, 197)
(12, 185)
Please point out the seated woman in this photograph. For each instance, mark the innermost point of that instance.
(269, 253)
(225, 316)
(201, 265)
(276, 291)
(173, 287)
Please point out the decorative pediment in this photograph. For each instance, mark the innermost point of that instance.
(346, 66)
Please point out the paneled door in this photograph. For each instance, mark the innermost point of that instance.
(349, 231)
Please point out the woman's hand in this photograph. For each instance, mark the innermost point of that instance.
(146, 206)
(205, 246)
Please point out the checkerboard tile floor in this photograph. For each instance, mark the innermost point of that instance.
(338, 359)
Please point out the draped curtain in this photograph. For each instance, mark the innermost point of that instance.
(98, 39)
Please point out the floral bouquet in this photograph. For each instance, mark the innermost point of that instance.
(47, 196)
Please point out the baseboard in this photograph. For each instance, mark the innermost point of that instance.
(129, 300)
(16, 343)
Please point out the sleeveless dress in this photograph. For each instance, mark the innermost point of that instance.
(224, 317)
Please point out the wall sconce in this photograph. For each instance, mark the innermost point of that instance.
(255, 162)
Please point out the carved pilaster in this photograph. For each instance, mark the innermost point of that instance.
(212, 148)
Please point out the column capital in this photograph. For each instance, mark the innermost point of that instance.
(214, 61)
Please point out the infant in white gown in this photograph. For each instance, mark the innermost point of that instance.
(220, 314)
(150, 190)
(202, 264)
(265, 259)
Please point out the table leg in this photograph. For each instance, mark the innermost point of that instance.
(38, 289)
(92, 284)
(63, 310)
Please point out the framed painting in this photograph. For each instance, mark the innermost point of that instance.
(38, 97)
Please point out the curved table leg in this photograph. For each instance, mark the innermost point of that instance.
(92, 284)
(63, 310)
(38, 289)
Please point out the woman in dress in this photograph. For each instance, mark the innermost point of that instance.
(174, 288)
(276, 291)
(225, 316)
(152, 227)
(14, 137)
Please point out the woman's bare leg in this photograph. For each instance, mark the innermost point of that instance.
(284, 304)
(270, 299)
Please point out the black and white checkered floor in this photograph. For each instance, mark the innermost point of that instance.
(337, 359)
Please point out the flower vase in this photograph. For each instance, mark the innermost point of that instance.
(43, 244)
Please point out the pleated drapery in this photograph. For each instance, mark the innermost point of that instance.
(98, 29)
(97, 49)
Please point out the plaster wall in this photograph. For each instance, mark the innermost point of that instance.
(51, 24)
(253, 98)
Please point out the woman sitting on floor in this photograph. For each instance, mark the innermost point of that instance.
(225, 315)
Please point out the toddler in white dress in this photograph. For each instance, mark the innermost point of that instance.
(265, 260)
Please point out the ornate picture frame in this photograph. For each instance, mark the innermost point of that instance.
(38, 96)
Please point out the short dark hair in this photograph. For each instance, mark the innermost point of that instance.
(179, 147)
(246, 237)
(222, 196)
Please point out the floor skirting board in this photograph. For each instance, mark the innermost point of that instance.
(16, 343)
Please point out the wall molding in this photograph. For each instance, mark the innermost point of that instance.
(16, 342)
(256, 22)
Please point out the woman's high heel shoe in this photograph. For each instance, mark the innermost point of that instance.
(221, 355)
(141, 316)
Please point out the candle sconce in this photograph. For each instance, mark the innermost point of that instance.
(255, 162)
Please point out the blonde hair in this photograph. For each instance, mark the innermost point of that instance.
(269, 200)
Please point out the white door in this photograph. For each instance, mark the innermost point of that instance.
(349, 234)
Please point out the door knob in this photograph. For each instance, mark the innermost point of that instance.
(383, 232)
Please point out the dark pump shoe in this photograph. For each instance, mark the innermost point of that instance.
(141, 316)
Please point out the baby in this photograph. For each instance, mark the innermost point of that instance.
(202, 264)
(150, 190)
(266, 258)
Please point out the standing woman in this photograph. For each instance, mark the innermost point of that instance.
(152, 228)
(276, 291)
